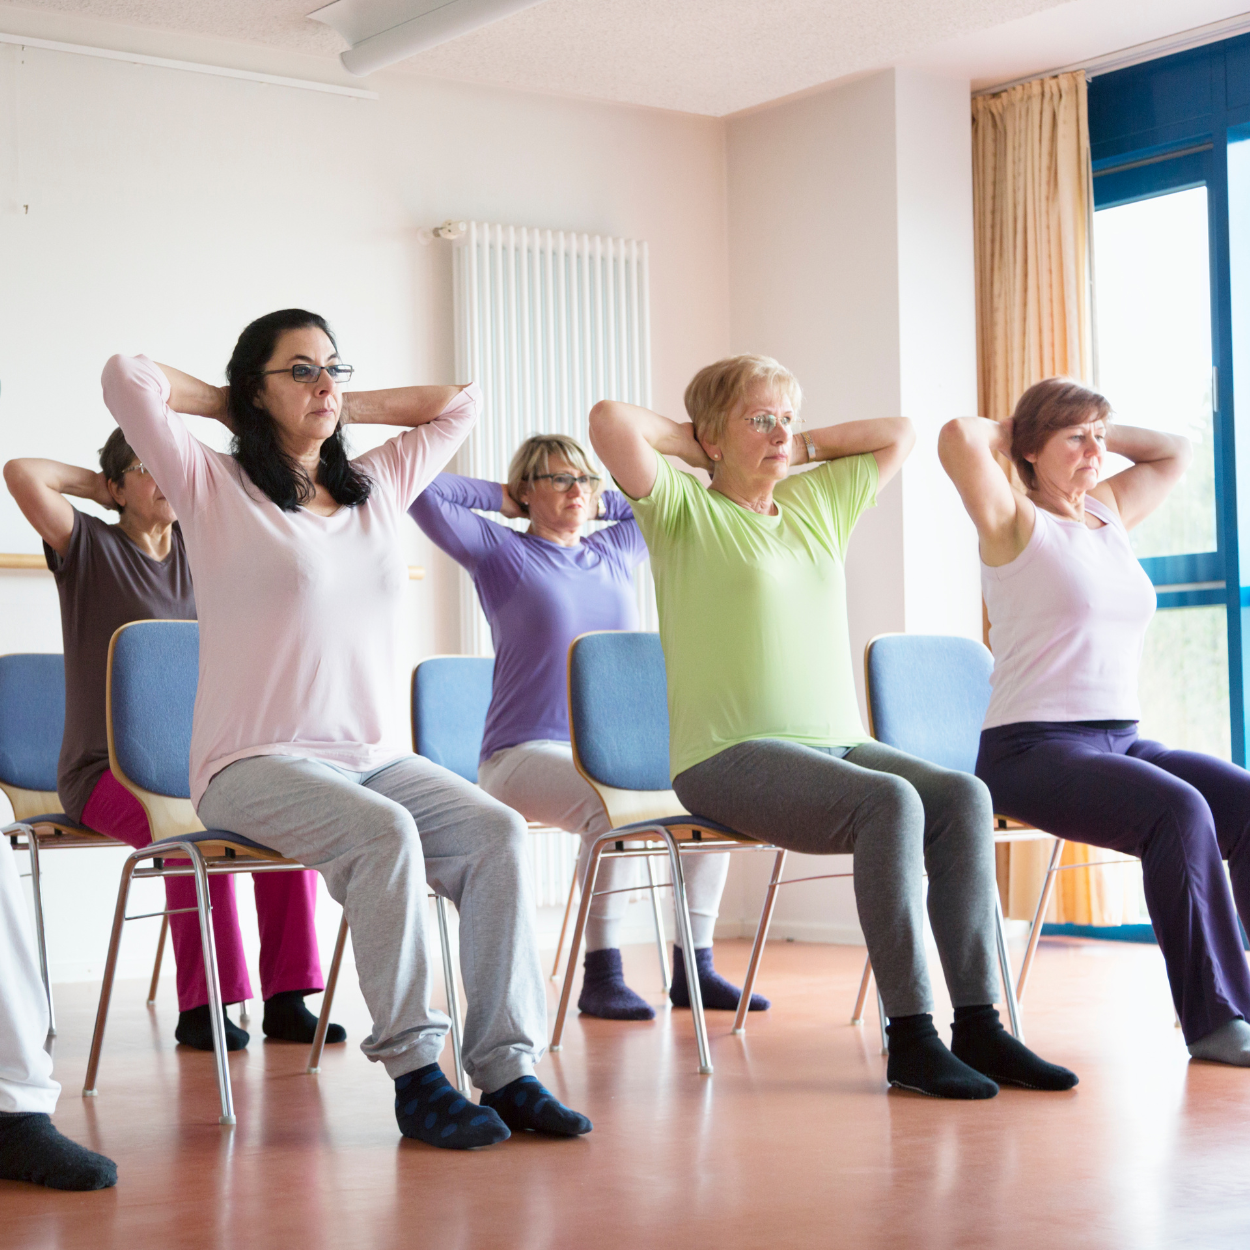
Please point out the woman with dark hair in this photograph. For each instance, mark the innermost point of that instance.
(300, 735)
(1068, 606)
(539, 589)
(107, 576)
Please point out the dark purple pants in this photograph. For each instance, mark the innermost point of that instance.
(1180, 812)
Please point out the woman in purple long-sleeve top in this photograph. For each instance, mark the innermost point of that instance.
(540, 589)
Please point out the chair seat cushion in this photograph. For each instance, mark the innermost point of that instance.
(213, 838)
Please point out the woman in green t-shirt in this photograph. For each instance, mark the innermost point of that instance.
(765, 733)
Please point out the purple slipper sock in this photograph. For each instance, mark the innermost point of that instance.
(604, 992)
(718, 994)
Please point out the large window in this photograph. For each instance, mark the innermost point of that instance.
(1171, 149)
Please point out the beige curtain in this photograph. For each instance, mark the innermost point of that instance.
(1032, 200)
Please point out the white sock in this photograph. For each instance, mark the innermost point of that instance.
(1230, 1043)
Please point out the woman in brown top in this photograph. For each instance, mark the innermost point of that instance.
(107, 576)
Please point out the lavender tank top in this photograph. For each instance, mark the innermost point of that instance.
(1068, 617)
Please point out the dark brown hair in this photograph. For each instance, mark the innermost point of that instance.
(1048, 406)
(116, 456)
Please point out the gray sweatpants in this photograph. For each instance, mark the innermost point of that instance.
(899, 817)
(540, 780)
(377, 838)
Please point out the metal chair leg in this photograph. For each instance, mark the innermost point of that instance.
(217, 1013)
(156, 967)
(682, 911)
(857, 1016)
(885, 1044)
(1004, 961)
(1038, 916)
(761, 936)
(41, 939)
(575, 944)
(327, 998)
(245, 1015)
(564, 927)
(110, 968)
(659, 926)
(453, 996)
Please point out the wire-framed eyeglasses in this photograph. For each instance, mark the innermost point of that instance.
(767, 422)
(138, 467)
(304, 372)
(563, 482)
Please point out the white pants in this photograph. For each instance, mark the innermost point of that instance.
(539, 780)
(26, 1082)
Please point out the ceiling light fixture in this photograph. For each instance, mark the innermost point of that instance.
(382, 32)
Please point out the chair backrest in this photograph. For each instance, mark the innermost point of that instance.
(32, 719)
(927, 695)
(618, 710)
(450, 698)
(153, 671)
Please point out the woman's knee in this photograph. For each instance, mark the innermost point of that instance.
(896, 803)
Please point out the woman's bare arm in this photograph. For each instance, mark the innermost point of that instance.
(197, 399)
(39, 488)
(1003, 517)
(628, 437)
(888, 439)
(1159, 461)
(404, 405)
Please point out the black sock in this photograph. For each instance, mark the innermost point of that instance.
(31, 1149)
(980, 1040)
(717, 993)
(525, 1104)
(919, 1062)
(604, 992)
(429, 1108)
(288, 1020)
(195, 1029)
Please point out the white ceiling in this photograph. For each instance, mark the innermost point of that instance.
(710, 56)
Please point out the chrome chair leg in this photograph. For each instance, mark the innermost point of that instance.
(885, 1044)
(857, 1016)
(761, 936)
(1038, 918)
(564, 926)
(682, 911)
(327, 998)
(453, 996)
(41, 939)
(575, 943)
(1004, 961)
(110, 968)
(659, 925)
(217, 1013)
(160, 955)
(245, 1015)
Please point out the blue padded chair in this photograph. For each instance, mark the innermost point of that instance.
(153, 671)
(32, 722)
(618, 718)
(927, 695)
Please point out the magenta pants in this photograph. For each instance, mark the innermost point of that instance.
(285, 906)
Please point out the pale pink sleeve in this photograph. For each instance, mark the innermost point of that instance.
(136, 392)
(403, 466)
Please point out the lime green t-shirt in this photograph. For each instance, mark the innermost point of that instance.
(753, 609)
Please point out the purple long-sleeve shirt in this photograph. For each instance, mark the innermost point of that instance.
(537, 596)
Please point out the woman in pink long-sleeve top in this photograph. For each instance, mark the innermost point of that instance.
(300, 739)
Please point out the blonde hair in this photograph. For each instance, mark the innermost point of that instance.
(716, 390)
(533, 457)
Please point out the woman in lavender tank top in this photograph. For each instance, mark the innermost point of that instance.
(1068, 606)
(540, 589)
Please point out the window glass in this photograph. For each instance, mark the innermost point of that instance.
(1153, 308)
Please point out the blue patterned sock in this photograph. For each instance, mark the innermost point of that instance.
(525, 1104)
(431, 1109)
(717, 993)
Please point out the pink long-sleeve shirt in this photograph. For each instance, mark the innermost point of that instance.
(300, 618)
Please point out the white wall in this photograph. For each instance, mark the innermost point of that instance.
(166, 209)
(850, 258)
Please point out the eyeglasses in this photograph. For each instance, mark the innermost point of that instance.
(139, 468)
(564, 482)
(766, 422)
(310, 373)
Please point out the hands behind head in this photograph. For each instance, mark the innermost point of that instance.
(693, 453)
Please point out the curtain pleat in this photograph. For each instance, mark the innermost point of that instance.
(1032, 205)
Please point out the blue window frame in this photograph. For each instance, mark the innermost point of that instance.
(1160, 127)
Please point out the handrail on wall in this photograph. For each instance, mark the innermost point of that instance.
(20, 560)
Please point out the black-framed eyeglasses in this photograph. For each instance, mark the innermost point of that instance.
(304, 372)
(564, 482)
